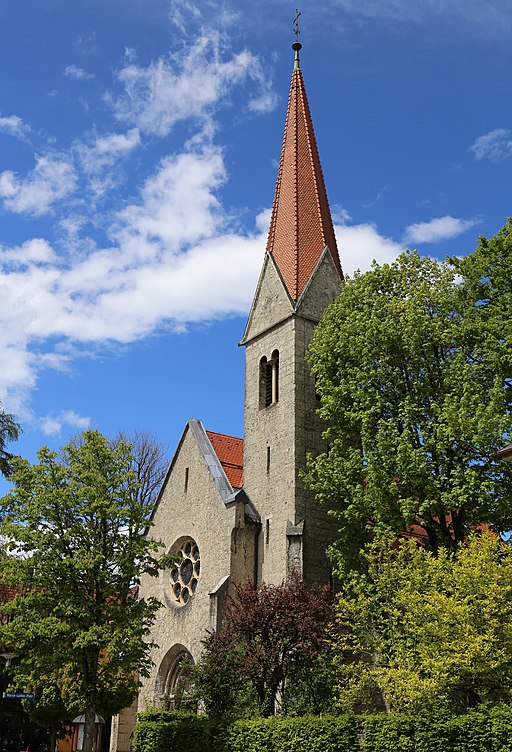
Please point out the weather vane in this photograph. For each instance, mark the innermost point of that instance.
(296, 24)
(296, 45)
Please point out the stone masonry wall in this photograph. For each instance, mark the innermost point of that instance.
(122, 728)
(289, 428)
(271, 302)
(200, 513)
(269, 451)
(319, 527)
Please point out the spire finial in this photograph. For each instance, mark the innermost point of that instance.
(296, 45)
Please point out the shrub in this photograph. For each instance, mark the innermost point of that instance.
(477, 731)
(383, 733)
(166, 731)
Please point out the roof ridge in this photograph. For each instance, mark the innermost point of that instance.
(227, 435)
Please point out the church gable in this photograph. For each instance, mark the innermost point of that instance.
(323, 288)
(271, 304)
(197, 510)
(198, 472)
(206, 522)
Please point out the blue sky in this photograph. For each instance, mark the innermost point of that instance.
(138, 153)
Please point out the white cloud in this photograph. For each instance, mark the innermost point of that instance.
(187, 16)
(35, 251)
(130, 54)
(14, 126)
(339, 214)
(495, 145)
(188, 85)
(107, 148)
(173, 261)
(265, 99)
(360, 245)
(441, 228)
(173, 257)
(178, 205)
(52, 425)
(182, 13)
(79, 74)
(52, 179)
(98, 157)
(262, 221)
(265, 102)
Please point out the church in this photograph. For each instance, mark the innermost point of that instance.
(235, 508)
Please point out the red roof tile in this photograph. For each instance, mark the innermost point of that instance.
(301, 224)
(230, 451)
(7, 594)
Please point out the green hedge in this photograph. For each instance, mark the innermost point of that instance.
(501, 723)
(165, 731)
(327, 734)
(478, 731)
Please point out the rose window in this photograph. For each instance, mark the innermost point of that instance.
(185, 572)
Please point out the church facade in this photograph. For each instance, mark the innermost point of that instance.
(231, 508)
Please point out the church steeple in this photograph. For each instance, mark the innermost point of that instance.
(301, 276)
(301, 224)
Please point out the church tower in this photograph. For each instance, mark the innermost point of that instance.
(301, 276)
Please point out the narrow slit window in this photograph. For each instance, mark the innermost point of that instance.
(267, 531)
(186, 479)
(275, 376)
(263, 382)
(268, 460)
(269, 380)
(268, 384)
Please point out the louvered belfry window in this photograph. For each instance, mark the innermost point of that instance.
(269, 380)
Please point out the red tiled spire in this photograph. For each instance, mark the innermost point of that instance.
(301, 224)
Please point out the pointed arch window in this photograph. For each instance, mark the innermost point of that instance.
(269, 380)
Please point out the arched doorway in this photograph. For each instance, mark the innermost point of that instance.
(174, 679)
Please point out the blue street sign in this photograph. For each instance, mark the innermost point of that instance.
(18, 695)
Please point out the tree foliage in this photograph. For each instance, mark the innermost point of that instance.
(486, 302)
(73, 533)
(9, 431)
(414, 373)
(149, 463)
(423, 633)
(268, 632)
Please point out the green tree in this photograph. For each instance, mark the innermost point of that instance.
(424, 633)
(149, 464)
(271, 636)
(415, 393)
(75, 545)
(9, 431)
(486, 301)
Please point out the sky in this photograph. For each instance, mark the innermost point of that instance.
(139, 144)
